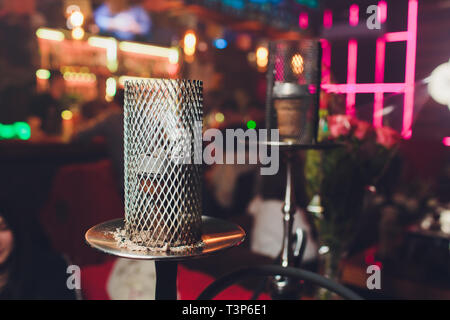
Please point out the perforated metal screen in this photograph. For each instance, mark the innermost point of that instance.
(162, 142)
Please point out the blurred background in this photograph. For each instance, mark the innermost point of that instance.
(62, 70)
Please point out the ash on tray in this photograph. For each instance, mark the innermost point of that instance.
(124, 241)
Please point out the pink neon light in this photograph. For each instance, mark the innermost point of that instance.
(378, 110)
(382, 11)
(396, 36)
(327, 19)
(303, 20)
(379, 78)
(326, 67)
(379, 60)
(351, 74)
(352, 59)
(446, 141)
(364, 87)
(378, 88)
(354, 15)
(326, 61)
(410, 69)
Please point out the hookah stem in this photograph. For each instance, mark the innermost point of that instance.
(288, 214)
(166, 280)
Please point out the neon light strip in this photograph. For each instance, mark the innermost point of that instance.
(327, 19)
(84, 77)
(326, 54)
(146, 49)
(49, 34)
(364, 87)
(446, 141)
(326, 67)
(379, 78)
(354, 15)
(326, 61)
(396, 36)
(351, 88)
(379, 63)
(410, 69)
(111, 87)
(380, 55)
(382, 11)
(352, 60)
(303, 20)
(110, 44)
(101, 42)
(351, 75)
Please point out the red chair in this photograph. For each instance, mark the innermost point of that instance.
(82, 195)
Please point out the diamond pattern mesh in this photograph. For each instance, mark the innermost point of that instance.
(296, 63)
(162, 148)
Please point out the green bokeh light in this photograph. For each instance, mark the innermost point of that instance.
(251, 124)
(23, 131)
(43, 74)
(7, 131)
(18, 130)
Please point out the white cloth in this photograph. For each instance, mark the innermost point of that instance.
(132, 280)
(267, 231)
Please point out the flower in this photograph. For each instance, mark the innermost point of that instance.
(360, 128)
(387, 137)
(339, 125)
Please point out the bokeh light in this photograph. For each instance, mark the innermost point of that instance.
(78, 33)
(66, 115)
(297, 63)
(43, 74)
(219, 117)
(251, 124)
(76, 19)
(220, 44)
(190, 40)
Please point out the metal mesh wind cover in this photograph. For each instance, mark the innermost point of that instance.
(162, 150)
(293, 73)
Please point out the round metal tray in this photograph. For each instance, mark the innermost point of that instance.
(217, 235)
